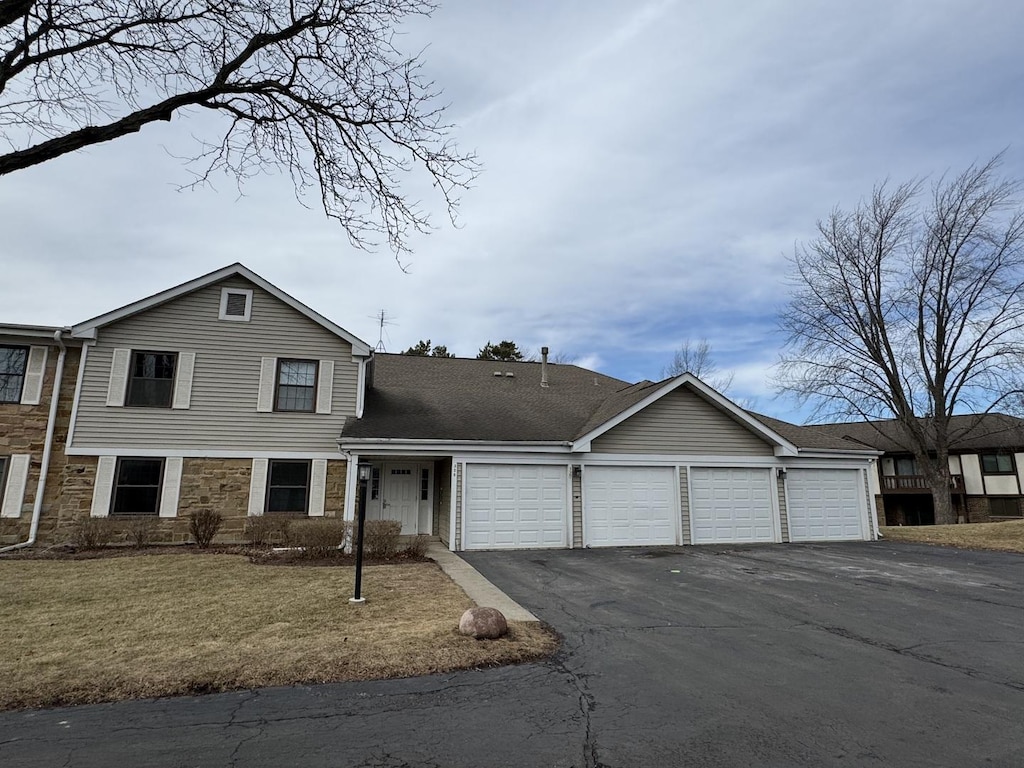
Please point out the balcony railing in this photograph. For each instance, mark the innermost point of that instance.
(917, 484)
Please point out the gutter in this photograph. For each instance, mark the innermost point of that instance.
(51, 423)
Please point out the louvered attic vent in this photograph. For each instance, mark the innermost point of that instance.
(235, 304)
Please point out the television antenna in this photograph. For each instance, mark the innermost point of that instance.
(383, 321)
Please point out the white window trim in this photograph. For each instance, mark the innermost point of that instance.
(223, 314)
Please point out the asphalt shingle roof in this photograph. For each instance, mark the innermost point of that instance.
(969, 432)
(431, 398)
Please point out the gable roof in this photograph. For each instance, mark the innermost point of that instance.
(642, 396)
(429, 399)
(88, 329)
(968, 432)
(436, 398)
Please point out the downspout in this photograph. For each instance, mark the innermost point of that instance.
(37, 507)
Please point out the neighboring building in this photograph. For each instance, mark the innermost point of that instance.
(226, 393)
(986, 462)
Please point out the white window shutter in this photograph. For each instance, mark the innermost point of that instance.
(183, 380)
(172, 487)
(32, 392)
(118, 376)
(258, 487)
(325, 386)
(17, 479)
(268, 372)
(317, 488)
(104, 486)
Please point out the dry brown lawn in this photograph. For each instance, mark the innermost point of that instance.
(73, 632)
(1007, 536)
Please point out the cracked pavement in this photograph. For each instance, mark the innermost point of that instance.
(793, 655)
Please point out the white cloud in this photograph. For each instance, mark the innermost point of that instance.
(646, 170)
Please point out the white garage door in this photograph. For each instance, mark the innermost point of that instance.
(511, 506)
(824, 504)
(731, 505)
(629, 506)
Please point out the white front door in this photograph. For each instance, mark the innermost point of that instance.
(400, 495)
(629, 506)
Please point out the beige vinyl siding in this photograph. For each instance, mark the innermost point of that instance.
(780, 483)
(682, 422)
(221, 413)
(684, 504)
(577, 510)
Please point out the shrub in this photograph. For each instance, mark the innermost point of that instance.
(318, 539)
(203, 525)
(92, 532)
(263, 531)
(141, 531)
(380, 538)
(417, 546)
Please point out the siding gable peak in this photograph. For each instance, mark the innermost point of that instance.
(89, 328)
(782, 447)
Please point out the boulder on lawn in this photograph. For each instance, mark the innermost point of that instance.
(483, 623)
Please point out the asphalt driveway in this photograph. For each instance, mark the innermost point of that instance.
(851, 655)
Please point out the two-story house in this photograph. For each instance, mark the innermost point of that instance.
(986, 465)
(227, 393)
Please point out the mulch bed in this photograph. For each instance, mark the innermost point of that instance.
(261, 556)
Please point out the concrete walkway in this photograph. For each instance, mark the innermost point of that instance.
(480, 590)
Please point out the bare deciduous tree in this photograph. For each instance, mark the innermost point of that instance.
(911, 307)
(696, 358)
(314, 88)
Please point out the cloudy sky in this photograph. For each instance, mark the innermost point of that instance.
(646, 169)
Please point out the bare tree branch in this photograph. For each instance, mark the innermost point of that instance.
(913, 311)
(312, 88)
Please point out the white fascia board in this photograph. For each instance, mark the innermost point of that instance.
(829, 454)
(782, 446)
(87, 329)
(671, 460)
(390, 447)
(200, 453)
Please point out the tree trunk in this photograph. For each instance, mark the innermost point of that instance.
(942, 499)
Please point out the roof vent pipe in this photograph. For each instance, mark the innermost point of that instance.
(543, 366)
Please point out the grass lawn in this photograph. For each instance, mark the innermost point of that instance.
(73, 632)
(1008, 536)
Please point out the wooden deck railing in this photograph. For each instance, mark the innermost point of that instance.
(917, 484)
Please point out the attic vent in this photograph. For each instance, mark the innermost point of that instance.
(497, 373)
(509, 374)
(235, 304)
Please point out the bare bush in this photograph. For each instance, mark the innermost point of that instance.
(203, 525)
(141, 531)
(319, 539)
(380, 538)
(92, 532)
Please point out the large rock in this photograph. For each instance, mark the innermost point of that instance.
(483, 623)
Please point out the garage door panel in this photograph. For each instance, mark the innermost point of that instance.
(825, 505)
(629, 506)
(731, 505)
(515, 506)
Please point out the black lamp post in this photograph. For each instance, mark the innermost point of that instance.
(365, 471)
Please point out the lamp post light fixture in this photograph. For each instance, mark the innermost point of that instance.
(365, 471)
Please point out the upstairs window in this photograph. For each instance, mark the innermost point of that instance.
(137, 487)
(235, 304)
(13, 361)
(906, 465)
(296, 385)
(151, 380)
(997, 463)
